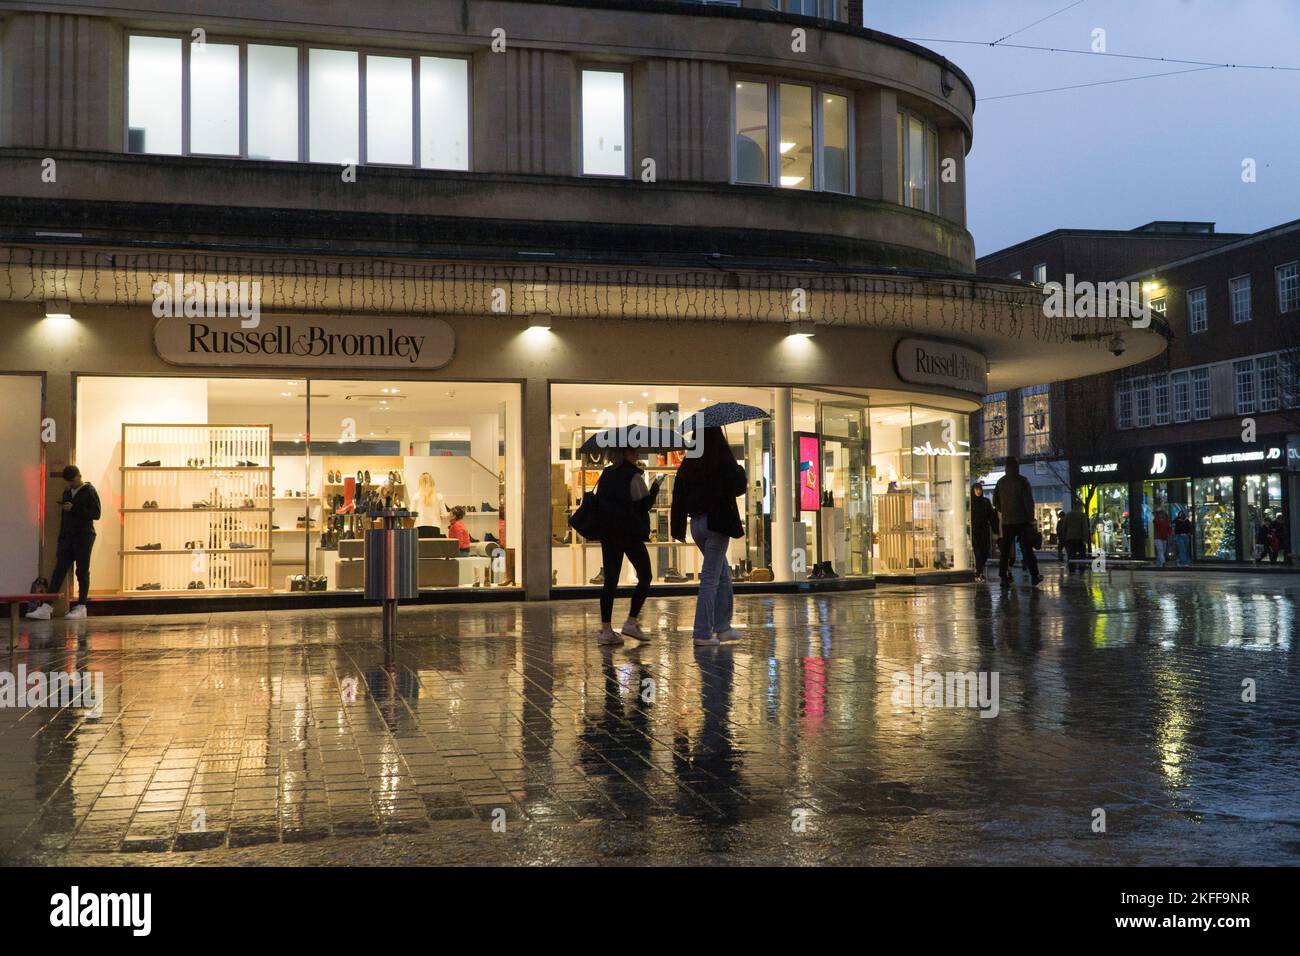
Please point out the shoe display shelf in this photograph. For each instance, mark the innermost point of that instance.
(211, 526)
(904, 531)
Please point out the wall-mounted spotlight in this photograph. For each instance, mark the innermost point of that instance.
(806, 329)
(538, 321)
(58, 309)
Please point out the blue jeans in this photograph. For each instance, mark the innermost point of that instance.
(1184, 544)
(713, 606)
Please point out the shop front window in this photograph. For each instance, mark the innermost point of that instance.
(1216, 523)
(20, 470)
(579, 411)
(846, 488)
(1171, 497)
(1108, 516)
(920, 468)
(222, 486)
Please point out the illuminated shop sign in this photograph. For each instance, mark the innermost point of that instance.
(950, 450)
(1237, 457)
(1100, 469)
(938, 363)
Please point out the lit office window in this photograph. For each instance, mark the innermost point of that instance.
(214, 99)
(751, 133)
(154, 95)
(333, 87)
(604, 123)
(1239, 293)
(389, 110)
(444, 112)
(918, 163)
(835, 142)
(1198, 319)
(795, 135)
(273, 102)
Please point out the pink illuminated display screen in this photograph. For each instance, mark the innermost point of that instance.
(810, 470)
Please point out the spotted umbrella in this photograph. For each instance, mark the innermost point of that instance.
(723, 413)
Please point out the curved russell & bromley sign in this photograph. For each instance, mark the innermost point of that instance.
(306, 341)
(924, 362)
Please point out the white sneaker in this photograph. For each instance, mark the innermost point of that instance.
(631, 628)
(703, 641)
(42, 613)
(608, 637)
(76, 613)
(730, 634)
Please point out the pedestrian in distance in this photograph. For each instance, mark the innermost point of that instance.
(983, 527)
(1013, 497)
(623, 502)
(80, 511)
(705, 492)
(1183, 538)
(1074, 533)
(1162, 532)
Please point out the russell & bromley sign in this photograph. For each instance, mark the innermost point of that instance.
(938, 363)
(306, 341)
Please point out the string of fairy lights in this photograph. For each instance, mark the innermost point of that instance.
(955, 304)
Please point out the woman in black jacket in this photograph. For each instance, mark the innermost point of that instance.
(624, 502)
(705, 490)
(983, 525)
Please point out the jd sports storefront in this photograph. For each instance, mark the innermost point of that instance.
(1227, 491)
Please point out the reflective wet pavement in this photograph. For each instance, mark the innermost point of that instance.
(502, 734)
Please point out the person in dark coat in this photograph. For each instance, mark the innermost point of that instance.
(624, 502)
(983, 526)
(705, 491)
(1014, 498)
(76, 539)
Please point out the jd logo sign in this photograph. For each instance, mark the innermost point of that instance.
(1159, 463)
(306, 341)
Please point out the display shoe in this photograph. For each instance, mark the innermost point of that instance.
(149, 547)
(241, 546)
(202, 504)
(828, 571)
(599, 578)
(150, 587)
(816, 572)
(347, 509)
(148, 464)
(150, 505)
(398, 478)
(487, 506)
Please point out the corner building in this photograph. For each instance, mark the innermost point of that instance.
(473, 233)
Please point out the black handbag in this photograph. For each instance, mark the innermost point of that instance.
(586, 519)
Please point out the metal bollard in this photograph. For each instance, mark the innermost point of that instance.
(391, 566)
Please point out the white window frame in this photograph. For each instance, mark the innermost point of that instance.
(1288, 303)
(1160, 401)
(583, 69)
(1180, 388)
(304, 106)
(774, 84)
(1040, 273)
(1244, 390)
(1014, 275)
(1241, 312)
(1124, 405)
(1201, 387)
(1195, 327)
(1026, 436)
(1004, 441)
(1268, 388)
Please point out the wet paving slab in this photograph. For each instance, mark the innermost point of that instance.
(1084, 722)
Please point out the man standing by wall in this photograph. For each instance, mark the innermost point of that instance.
(76, 539)
(1014, 499)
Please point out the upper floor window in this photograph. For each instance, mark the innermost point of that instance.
(247, 99)
(791, 135)
(1198, 319)
(1040, 273)
(918, 163)
(1014, 275)
(1142, 402)
(994, 425)
(1239, 293)
(604, 123)
(1288, 287)
(1244, 388)
(1201, 393)
(1036, 420)
(1270, 391)
(1124, 404)
(826, 9)
(1181, 386)
(1160, 399)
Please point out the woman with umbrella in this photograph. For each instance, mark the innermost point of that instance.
(705, 491)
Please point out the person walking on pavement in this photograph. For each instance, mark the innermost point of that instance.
(1014, 499)
(624, 504)
(983, 526)
(76, 539)
(705, 491)
(1183, 538)
(1074, 532)
(1163, 532)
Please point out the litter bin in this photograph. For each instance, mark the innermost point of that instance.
(391, 565)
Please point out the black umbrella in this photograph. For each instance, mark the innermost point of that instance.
(640, 437)
(724, 413)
